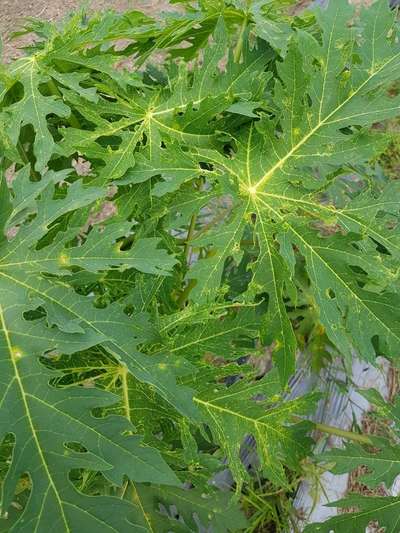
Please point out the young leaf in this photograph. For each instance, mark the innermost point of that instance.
(236, 411)
(34, 109)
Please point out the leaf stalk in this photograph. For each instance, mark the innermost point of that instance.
(237, 54)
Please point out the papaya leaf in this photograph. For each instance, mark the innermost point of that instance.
(187, 203)
(185, 510)
(383, 465)
(256, 409)
(34, 109)
(47, 420)
(384, 510)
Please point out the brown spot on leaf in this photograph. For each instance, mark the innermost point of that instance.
(12, 232)
(107, 210)
(82, 167)
(10, 175)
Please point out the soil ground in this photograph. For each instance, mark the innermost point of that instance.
(12, 13)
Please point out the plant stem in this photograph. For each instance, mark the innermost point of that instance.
(127, 412)
(125, 392)
(332, 430)
(185, 293)
(357, 437)
(22, 153)
(122, 491)
(210, 224)
(239, 45)
(192, 283)
(187, 250)
(74, 122)
(34, 175)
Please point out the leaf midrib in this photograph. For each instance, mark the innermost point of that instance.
(164, 392)
(341, 213)
(278, 301)
(204, 339)
(29, 418)
(327, 266)
(86, 427)
(266, 177)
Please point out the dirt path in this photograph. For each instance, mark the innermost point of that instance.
(12, 13)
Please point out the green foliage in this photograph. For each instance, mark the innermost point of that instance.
(381, 459)
(384, 508)
(170, 232)
(383, 465)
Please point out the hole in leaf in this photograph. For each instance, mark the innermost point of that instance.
(330, 294)
(358, 270)
(34, 314)
(75, 447)
(381, 249)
